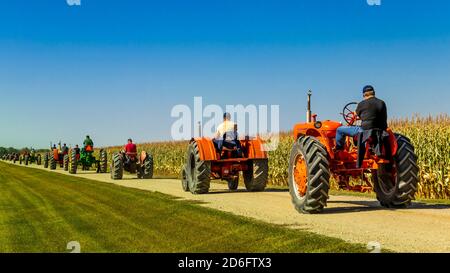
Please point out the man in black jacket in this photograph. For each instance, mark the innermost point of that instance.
(373, 114)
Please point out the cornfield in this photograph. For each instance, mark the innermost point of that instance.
(430, 136)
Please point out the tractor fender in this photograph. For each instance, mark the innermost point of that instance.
(392, 142)
(208, 152)
(206, 148)
(256, 149)
(143, 156)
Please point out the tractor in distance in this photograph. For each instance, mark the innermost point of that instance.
(32, 157)
(392, 174)
(141, 165)
(86, 159)
(55, 157)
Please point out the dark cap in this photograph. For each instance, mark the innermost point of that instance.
(368, 88)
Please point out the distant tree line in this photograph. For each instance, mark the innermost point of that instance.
(11, 150)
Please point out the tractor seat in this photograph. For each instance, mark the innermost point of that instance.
(375, 139)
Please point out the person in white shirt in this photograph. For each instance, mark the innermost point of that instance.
(226, 133)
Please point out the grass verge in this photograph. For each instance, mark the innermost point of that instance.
(42, 212)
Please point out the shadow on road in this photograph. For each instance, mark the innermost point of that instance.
(225, 191)
(364, 206)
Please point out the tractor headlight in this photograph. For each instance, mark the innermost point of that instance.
(318, 124)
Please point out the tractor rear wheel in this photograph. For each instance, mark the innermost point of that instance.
(73, 163)
(66, 162)
(395, 188)
(46, 159)
(184, 180)
(233, 183)
(117, 167)
(309, 175)
(257, 175)
(103, 161)
(198, 171)
(53, 162)
(147, 167)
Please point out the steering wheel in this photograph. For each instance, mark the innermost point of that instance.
(349, 113)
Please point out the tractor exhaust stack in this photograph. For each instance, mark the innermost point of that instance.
(309, 113)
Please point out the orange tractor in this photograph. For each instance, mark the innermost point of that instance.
(205, 162)
(390, 168)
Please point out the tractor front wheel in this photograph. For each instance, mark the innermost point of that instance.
(117, 167)
(46, 159)
(309, 175)
(396, 185)
(184, 180)
(146, 168)
(198, 171)
(257, 175)
(233, 183)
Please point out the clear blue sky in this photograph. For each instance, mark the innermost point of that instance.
(114, 69)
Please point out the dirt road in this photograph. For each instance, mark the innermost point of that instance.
(421, 228)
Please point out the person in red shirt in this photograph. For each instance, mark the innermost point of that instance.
(130, 148)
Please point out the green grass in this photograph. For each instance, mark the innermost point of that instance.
(42, 211)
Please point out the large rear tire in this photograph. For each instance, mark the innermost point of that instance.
(147, 167)
(398, 191)
(198, 171)
(103, 168)
(117, 167)
(66, 162)
(53, 162)
(257, 175)
(309, 175)
(46, 159)
(73, 163)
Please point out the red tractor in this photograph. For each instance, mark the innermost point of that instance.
(205, 162)
(141, 164)
(390, 170)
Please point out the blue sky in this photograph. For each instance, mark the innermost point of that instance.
(115, 69)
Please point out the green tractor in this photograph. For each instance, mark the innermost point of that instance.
(86, 159)
(32, 158)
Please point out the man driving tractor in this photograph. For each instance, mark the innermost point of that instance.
(373, 114)
(65, 149)
(130, 150)
(226, 134)
(88, 144)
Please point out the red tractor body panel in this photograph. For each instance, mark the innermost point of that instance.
(225, 167)
(208, 152)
